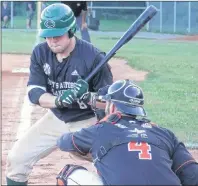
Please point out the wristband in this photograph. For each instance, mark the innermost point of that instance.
(34, 95)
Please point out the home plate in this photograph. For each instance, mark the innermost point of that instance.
(21, 70)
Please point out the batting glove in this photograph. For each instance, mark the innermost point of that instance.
(81, 89)
(66, 99)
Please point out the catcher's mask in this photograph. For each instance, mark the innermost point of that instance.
(127, 97)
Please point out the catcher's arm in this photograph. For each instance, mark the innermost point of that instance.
(79, 143)
(184, 165)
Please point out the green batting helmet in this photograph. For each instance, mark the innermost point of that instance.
(56, 20)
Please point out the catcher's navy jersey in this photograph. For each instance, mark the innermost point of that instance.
(46, 71)
(131, 152)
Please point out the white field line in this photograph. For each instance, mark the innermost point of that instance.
(21, 70)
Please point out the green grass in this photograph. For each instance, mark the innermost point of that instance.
(171, 88)
(19, 22)
(115, 25)
(18, 42)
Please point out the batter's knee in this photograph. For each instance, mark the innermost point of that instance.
(13, 158)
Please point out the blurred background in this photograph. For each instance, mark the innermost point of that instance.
(173, 16)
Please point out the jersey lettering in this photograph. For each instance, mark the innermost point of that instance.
(60, 85)
(143, 149)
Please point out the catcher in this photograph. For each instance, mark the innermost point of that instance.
(126, 148)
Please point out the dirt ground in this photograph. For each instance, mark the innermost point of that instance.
(187, 38)
(18, 115)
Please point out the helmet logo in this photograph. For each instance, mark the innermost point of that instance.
(49, 24)
(135, 101)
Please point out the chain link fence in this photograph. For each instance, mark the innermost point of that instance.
(172, 17)
(114, 16)
(18, 14)
(175, 17)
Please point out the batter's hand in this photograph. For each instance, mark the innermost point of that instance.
(66, 99)
(81, 88)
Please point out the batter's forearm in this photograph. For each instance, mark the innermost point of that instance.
(47, 101)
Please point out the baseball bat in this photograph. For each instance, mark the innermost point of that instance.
(140, 22)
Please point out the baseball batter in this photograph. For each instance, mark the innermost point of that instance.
(55, 82)
(126, 149)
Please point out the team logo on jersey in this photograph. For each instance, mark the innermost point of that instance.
(120, 126)
(47, 69)
(49, 24)
(75, 73)
(146, 125)
(78, 4)
(137, 133)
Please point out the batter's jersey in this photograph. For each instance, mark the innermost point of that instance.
(131, 152)
(46, 71)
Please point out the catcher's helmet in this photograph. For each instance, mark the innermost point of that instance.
(56, 20)
(127, 97)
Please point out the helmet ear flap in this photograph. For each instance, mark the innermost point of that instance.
(71, 32)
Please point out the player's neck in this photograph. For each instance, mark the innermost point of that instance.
(67, 52)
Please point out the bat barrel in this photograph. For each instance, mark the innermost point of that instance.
(140, 22)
